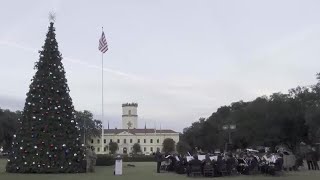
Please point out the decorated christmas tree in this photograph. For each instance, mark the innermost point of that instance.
(48, 138)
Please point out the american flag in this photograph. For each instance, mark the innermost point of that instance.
(103, 46)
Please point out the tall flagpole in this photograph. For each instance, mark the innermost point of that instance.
(102, 129)
(103, 47)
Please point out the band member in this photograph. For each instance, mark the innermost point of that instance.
(315, 159)
(309, 160)
(194, 165)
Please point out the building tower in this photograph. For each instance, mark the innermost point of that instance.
(129, 116)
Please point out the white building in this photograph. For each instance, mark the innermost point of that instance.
(149, 139)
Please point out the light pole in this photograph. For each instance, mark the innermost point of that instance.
(229, 128)
(84, 132)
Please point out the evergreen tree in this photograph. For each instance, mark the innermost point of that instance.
(48, 138)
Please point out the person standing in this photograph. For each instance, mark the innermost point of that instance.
(158, 160)
(93, 159)
(309, 160)
(315, 159)
(88, 158)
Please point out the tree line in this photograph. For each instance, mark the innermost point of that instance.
(279, 119)
(8, 127)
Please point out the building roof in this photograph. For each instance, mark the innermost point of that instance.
(138, 131)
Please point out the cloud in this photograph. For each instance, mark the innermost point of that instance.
(112, 71)
(18, 46)
(173, 87)
(158, 96)
(176, 102)
(72, 60)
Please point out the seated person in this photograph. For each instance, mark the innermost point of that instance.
(253, 163)
(242, 166)
(279, 163)
(231, 163)
(220, 165)
(207, 160)
(180, 165)
(207, 165)
(165, 164)
(173, 161)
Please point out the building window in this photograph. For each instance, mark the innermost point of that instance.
(144, 149)
(98, 149)
(144, 141)
(98, 141)
(91, 141)
(130, 140)
(151, 149)
(158, 149)
(151, 140)
(110, 140)
(138, 140)
(104, 149)
(125, 141)
(129, 112)
(104, 141)
(118, 141)
(158, 141)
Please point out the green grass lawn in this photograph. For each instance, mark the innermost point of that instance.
(143, 171)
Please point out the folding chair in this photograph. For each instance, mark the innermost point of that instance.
(195, 171)
(208, 170)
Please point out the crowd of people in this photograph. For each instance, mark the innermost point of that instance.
(222, 164)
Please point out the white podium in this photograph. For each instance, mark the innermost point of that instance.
(118, 166)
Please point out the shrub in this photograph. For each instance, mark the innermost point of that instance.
(105, 160)
(138, 158)
(109, 160)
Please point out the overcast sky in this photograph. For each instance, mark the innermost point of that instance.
(178, 59)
